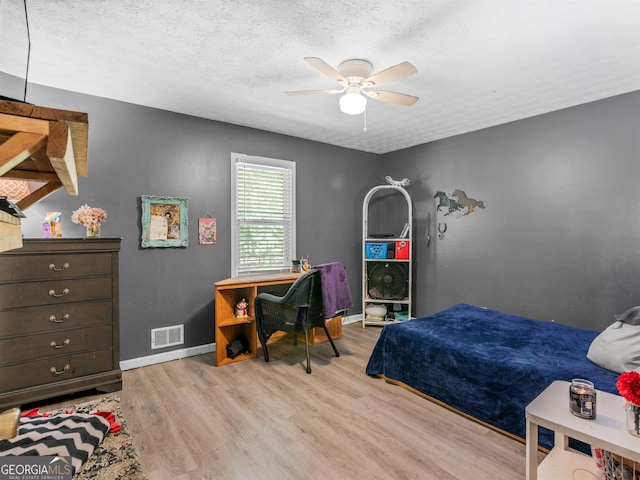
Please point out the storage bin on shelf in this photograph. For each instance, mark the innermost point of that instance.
(402, 249)
(376, 250)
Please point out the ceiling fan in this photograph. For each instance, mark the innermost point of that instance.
(356, 82)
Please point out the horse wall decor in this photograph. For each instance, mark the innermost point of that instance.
(449, 204)
(469, 203)
(457, 202)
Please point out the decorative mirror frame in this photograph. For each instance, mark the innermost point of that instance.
(157, 232)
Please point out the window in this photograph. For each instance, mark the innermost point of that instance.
(263, 230)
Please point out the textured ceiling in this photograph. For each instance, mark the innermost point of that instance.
(480, 62)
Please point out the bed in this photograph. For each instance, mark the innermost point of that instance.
(486, 364)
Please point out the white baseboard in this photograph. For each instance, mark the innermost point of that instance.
(352, 319)
(167, 356)
(193, 351)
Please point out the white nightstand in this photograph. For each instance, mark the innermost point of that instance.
(608, 431)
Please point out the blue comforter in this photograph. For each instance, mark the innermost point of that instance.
(485, 363)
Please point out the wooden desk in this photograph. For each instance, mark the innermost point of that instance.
(607, 431)
(232, 290)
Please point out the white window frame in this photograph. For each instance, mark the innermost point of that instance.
(237, 161)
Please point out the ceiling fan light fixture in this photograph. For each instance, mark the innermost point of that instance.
(352, 102)
(355, 79)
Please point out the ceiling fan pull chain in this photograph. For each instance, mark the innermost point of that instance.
(365, 120)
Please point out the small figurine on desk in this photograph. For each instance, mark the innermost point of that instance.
(241, 309)
(304, 264)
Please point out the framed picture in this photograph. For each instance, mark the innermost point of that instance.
(165, 222)
(207, 231)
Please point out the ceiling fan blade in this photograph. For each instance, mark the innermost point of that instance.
(327, 69)
(314, 92)
(391, 74)
(391, 97)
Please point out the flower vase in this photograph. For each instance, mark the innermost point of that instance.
(93, 231)
(633, 418)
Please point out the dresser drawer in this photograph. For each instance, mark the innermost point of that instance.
(52, 318)
(55, 369)
(53, 292)
(50, 344)
(58, 318)
(53, 266)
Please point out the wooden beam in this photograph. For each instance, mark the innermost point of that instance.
(31, 175)
(47, 140)
(12, 123)
(38, 194)
(80, 139)
(44, 113)
(58, 140)
(40, 161)
(60, 153)
(77, 121)
(19, 147)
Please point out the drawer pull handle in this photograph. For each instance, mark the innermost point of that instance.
(53, 344)
(52, 266)
(58, 295)
(53, 318)
(54, 371)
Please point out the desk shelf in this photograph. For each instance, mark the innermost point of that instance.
(227, 333)
(561, 464)
(226, 322)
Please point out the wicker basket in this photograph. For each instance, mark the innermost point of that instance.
(614, 466)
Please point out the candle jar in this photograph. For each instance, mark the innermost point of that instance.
(582, 398)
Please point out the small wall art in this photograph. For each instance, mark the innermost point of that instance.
(207, 231)
(457, 202)
(165, 222)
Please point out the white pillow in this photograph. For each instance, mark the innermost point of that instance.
(631, 316)
(617, 348)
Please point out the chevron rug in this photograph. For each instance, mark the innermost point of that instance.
(114, 457)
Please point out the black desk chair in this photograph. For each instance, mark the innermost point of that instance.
(298, 311)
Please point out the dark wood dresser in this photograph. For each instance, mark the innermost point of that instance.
(58, 319)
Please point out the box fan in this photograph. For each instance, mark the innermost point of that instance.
(387, 281)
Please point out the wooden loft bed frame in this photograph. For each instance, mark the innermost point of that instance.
(44, 145)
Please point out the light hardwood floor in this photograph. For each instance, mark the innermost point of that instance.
(192, 420)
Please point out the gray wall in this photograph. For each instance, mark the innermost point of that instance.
(136, 151)
(559, 238)
(11, 87)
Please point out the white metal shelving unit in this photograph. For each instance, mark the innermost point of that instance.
(393, 304)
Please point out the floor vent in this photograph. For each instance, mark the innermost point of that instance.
(167, 336)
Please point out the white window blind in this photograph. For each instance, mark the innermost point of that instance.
(263, 214)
